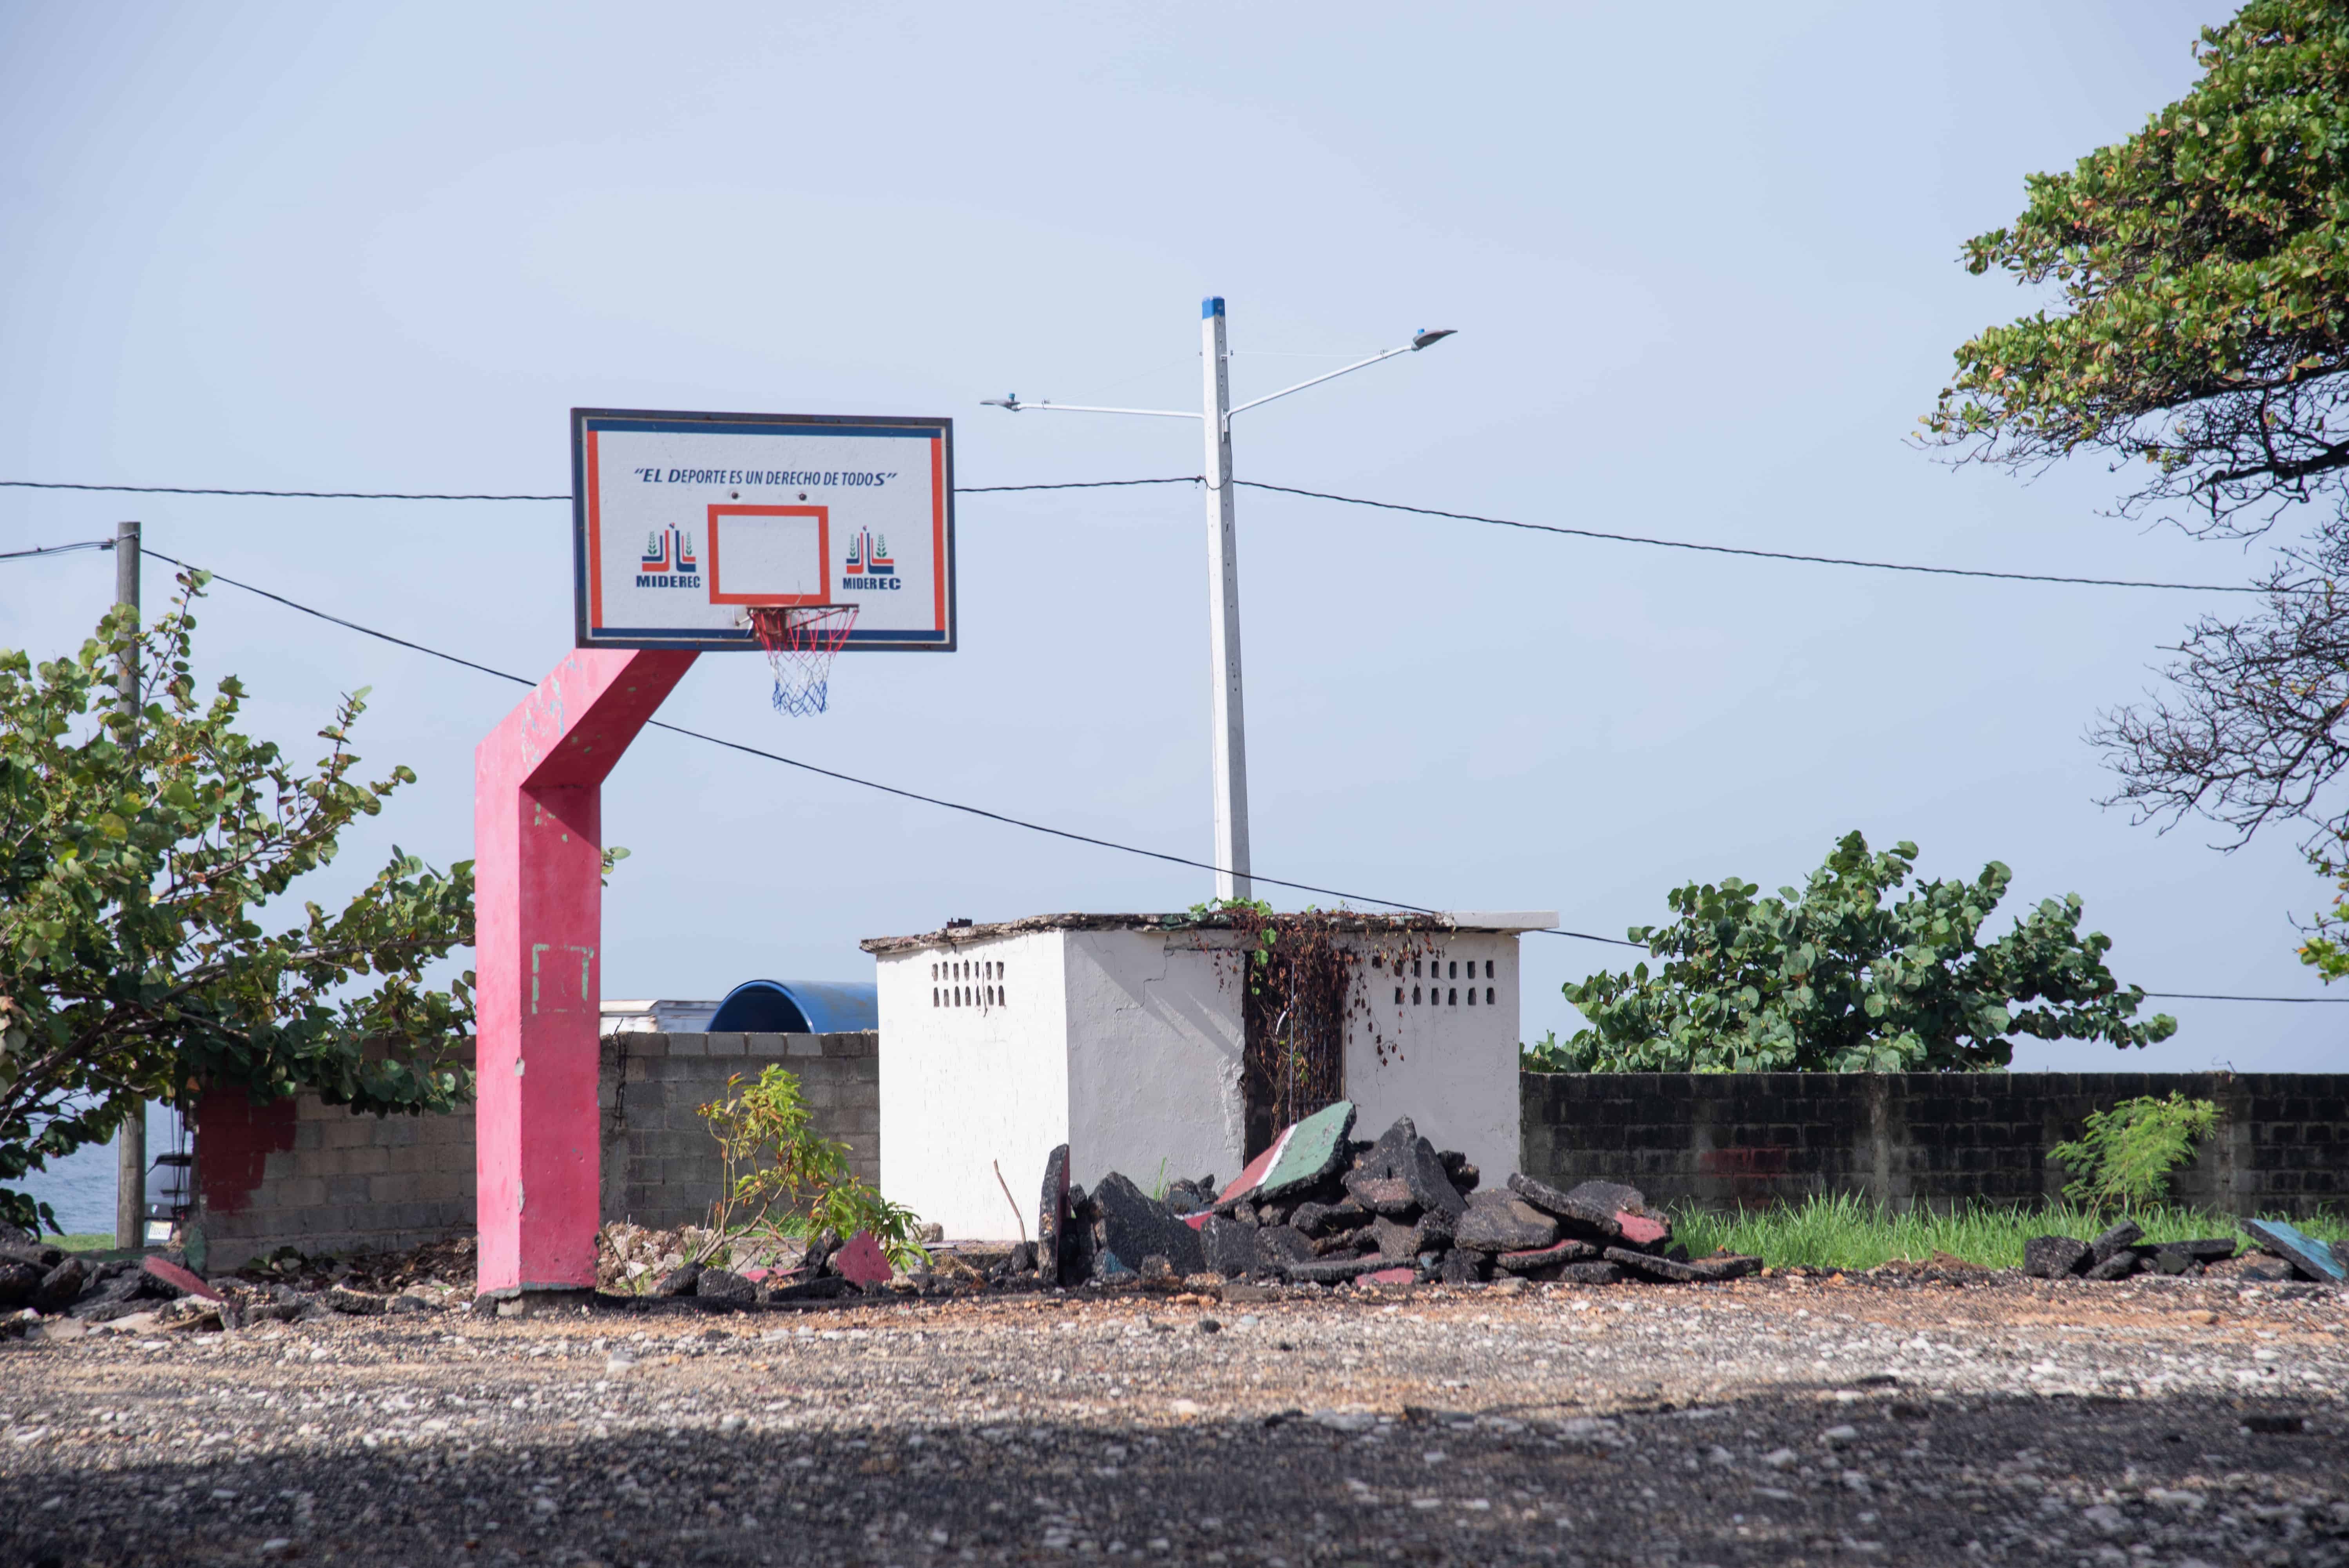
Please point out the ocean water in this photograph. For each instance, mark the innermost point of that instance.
(81, 1186)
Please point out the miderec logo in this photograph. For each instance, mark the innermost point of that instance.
(669, 561)
(870, 564)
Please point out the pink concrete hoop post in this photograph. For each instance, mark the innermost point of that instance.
(538, 848)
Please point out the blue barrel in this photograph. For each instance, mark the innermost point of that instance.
(798, 1007)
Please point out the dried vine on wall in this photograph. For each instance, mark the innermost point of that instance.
(1301, 974)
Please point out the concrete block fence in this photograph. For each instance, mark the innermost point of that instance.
(322, 1180)
(1921, 1139)
(303, 1173)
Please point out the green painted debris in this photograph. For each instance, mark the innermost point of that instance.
(1316, 1147)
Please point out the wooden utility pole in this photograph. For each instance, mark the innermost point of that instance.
(130, 1145)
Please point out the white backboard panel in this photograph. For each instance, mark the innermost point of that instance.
(683, 521)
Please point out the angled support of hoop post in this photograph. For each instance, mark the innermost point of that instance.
(538, 847)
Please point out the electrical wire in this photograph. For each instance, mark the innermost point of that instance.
(438, 495)
(272, 494)
(1277, 489)
(1757, 554)
(956, 805)
(812, 767)
(997, 816)
(57, 548)
(2225, 996)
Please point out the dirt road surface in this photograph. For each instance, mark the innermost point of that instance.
(1771, 1421)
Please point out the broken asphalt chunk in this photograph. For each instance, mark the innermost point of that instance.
(1134, 1227)
(1333, 1271)
(1381, 1194)
(1052, 1214)
(1647, 1266)
(725, 1286)
(2118, 1239)
(1534, 1260)
(1608, 1210)
(2055, 1257)
(1230, 1246)
(1510, 1226)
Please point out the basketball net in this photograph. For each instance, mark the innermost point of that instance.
(801, 641)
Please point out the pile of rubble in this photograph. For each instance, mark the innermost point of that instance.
(2123, 1250)
(686, 1262)
(40, 1283)
(1320, 1207)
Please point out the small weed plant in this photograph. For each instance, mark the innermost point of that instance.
(783, 1178)
(2124, 1157)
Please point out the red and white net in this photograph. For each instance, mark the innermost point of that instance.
(801, 641)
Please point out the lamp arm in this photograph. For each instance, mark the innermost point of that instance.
(1017, 407)
(1317, 381)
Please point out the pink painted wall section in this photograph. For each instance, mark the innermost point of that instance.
(538, 844)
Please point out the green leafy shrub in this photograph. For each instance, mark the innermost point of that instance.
(784, 1179)
(2126, 1155)
(1834, 977)
(1546, 1056)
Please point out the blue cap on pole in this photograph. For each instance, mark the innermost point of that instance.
(1211, 306)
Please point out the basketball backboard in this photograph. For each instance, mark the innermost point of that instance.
(685, 522)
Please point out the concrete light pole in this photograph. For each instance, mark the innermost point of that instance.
(1228, 741)
(1228, 738)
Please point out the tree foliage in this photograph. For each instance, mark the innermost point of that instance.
(2200, 327)
(140, 842)
(1833, 978)
(2203, 267)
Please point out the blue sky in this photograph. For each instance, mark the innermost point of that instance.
(1704, 281)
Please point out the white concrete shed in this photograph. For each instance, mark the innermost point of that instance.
(1122, 1036)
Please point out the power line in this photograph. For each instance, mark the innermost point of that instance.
(2223, 997)
(438, 495)
(272, 494)
(1601, 534)
(812, 767)
(957, 806)
(1758, 554)
(997, 816)
(57, 548)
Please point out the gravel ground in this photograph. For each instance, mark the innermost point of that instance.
(1771, 1421)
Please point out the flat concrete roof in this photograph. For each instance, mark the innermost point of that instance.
(1484, 921)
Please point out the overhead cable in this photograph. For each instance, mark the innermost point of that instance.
(57, 548)
(825, 772)
(1757, 554)
(1650, 541)
(439, 495)
(999, 816)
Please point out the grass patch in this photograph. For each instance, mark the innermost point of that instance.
(84, 1242)
(1844, 1231)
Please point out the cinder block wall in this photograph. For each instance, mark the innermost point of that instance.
(302, 1174)
(1929, 1139)
(661, 1168)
